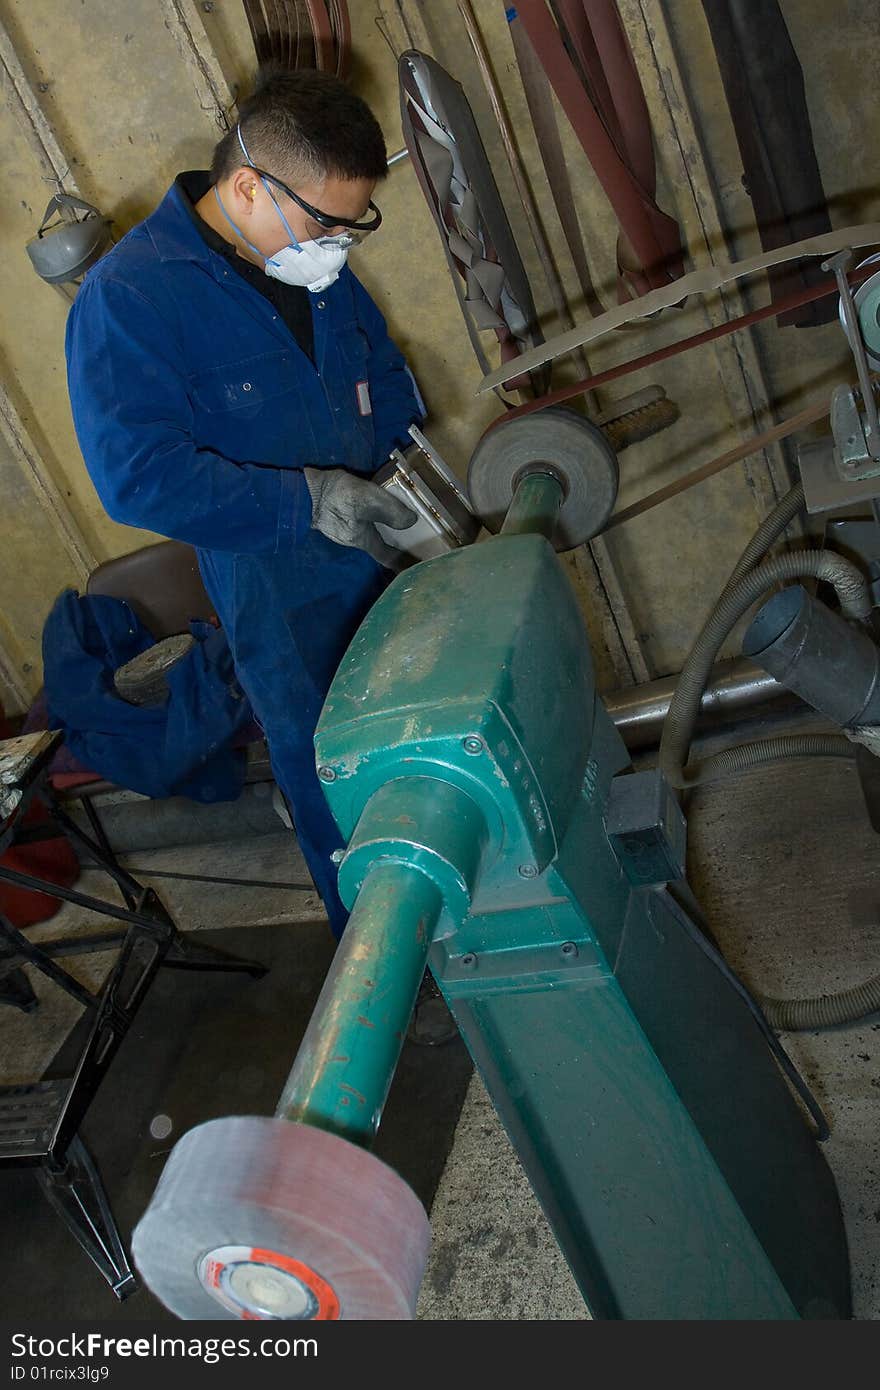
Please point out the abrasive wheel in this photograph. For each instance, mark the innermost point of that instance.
(263, 1219)
(144, 679)
(573, 450)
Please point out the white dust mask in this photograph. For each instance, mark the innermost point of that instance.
(312, 264)
(315, 264)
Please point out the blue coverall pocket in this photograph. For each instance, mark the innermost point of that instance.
(245, 384)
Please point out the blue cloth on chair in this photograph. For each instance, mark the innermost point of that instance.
(180, 748)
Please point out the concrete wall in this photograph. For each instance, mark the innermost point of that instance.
(129, 113)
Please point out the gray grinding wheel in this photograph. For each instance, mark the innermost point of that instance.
(263, 1219)
(143, 680)
(576, 451)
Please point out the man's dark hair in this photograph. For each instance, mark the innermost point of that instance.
(304, 126)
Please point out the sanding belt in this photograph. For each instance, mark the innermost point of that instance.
(764, 85)
(292, 34)
(704, 281)
(453, 171)
(711, 277)
(587, 59)
(540, 103)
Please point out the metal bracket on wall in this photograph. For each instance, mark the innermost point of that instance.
(184, 20)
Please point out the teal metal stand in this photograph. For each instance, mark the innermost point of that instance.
(469, 764)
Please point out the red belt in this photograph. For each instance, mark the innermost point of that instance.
(613, 128)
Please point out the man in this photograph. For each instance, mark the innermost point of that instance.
(233, 386)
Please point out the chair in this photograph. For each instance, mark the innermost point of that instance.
(161, 583)
(163, 586)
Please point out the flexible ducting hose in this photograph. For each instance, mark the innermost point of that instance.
(769, 750)
(771, 528)
(746, 584)
(826, 1011)
(739, 595)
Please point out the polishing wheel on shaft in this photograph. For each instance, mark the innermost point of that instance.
(573, 450)
(258, 1218)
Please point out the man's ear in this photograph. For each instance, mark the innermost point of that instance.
(243, 190)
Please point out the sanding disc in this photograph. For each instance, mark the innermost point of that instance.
(143, 680)
(256, 1218)
(576, 451)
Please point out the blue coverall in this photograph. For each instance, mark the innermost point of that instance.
(195, 410)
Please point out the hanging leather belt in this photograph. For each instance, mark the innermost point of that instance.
(540, 103)
(293, 34)
(606, 107)
(453, 171)
(764, 86)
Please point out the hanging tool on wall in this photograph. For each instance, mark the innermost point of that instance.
(71, 237)
(458, 183)
(520, 178)
(292, 34)
(765, 92)
(453, 170)
(585, 54)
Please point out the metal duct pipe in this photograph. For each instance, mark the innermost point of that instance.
(735, 686)
(830, 663)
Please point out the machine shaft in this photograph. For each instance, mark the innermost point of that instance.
(343, 1070)
(535, 506)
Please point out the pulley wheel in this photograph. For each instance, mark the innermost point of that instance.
(573, 449)
(867, 300)
(256, 1218)
(867, 304)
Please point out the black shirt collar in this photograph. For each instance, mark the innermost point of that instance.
(192, 186)
(291, 301)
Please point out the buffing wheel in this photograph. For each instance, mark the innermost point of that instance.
(143, 680)
(262, 1219)
(576, 451)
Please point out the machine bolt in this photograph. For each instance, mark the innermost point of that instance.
(472, 744)
(326, 774)
(469, 961)
(568, 950)
(337, 856)
(528, 871)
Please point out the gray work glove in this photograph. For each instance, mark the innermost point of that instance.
(345, 508)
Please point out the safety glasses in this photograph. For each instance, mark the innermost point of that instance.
(324, 219)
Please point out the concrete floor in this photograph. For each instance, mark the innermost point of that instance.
(796, 906)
